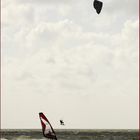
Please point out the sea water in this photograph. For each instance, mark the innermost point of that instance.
(68, 134)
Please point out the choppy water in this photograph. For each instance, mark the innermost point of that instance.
(71, 135)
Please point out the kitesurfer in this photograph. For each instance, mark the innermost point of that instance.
(61, 122)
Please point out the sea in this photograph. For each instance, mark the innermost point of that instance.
(70, 134)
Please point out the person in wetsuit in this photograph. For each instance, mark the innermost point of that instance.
(61, 122)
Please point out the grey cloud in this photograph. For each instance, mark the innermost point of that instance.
(127, 7)
(46, 1)
(51, 60)
(26, 76)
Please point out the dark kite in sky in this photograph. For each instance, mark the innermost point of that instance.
(98, 6)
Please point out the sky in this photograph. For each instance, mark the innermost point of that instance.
(61, 58)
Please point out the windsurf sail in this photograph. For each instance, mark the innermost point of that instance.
(47, 129)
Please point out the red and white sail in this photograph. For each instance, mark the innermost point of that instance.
(47, 129)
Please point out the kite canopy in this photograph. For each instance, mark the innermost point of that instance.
(98, 6)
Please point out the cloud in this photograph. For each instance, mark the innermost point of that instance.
(124, 7)
(63, 58)
(46, 1)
